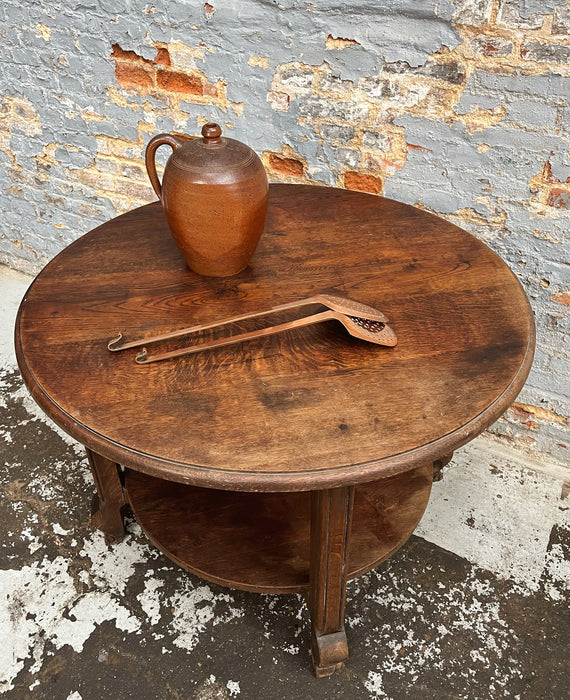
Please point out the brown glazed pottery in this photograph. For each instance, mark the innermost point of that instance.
(214, 192)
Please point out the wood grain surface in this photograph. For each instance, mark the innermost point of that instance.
(309, 409)
(261, 541)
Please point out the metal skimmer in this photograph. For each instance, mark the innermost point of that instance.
(367, 329)
(340, 304)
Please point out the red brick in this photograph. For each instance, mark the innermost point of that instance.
(559, 198)
(561, 298)
(121, 54)
(279, 100)
(135, 190)
(362, 183)
(519, 415)
(210, 90)
(286, 166)
(131, 75)
(132, 171)
(179, 82)
(162, 57)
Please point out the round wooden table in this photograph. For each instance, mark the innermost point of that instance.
(296, 461)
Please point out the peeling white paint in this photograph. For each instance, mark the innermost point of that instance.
(374, 684)
(557, 567)
(14, 286)
(150, 600)
(497, 517)
(31, 601)
(40, 603)
(111, 567)
(34, 543)
(291, 649)
(46, 487)
(194, 608)
(86, 614)
(36, 412)
(5, 435)
(475, 610)
(233, 687)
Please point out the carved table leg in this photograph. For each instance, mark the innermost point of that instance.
(110, 498)
(331, 512)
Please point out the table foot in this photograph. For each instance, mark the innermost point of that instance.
(329, 652)
(331, 515)
(106, 514)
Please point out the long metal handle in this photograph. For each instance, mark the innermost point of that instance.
(116, 344)
(143, 358)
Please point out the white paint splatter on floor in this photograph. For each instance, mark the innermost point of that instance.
(41, 603)
(495, 511)
(233, 687)
(374, 685)
(194, 608)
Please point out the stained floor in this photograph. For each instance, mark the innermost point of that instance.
(475, 605)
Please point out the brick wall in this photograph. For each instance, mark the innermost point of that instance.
(458, 107)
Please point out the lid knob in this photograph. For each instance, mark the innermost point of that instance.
(211, 132)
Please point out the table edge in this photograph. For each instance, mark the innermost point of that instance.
(212, 477)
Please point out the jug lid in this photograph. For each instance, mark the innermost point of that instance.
(213, 151)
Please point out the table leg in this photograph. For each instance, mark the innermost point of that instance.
(438, 466)
(110, 499)
(331, 512)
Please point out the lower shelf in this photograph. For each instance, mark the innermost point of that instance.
(260, 541)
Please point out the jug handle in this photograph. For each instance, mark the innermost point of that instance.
(149, 157)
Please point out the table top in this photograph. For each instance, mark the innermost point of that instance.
(307, 409)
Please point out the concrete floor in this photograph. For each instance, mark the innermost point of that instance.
(475, 605)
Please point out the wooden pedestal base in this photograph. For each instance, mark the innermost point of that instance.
(309, 542)
(261, 541)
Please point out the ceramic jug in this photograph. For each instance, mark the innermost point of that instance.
(214, 192)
